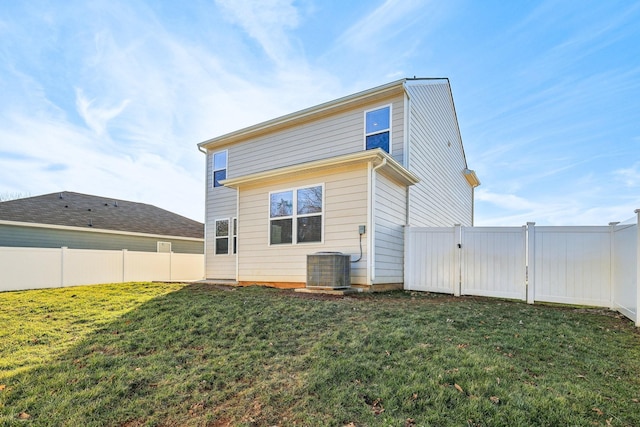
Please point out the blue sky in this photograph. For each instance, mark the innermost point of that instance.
(111, 97)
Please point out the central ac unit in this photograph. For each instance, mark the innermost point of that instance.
(328, 270)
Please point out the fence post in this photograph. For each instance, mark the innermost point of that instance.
(457, 231)
(530, 262)
(405, 269)
(124, 265)
(63, 253)
(612, 262)
(637, 211)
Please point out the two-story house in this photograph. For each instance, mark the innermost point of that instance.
(343, 176)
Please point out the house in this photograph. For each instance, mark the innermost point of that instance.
(81, 221)
(343, 176)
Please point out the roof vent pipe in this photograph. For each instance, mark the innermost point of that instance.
(61, 196)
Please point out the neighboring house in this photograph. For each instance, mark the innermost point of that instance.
(339, 176)
(80, 221)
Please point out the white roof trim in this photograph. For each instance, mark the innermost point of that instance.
(97, 230)
(390, 166)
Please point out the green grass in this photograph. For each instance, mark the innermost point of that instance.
(174, 355)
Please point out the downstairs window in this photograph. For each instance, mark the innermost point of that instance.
(295, 216)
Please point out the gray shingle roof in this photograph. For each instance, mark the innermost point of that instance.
(85, 211)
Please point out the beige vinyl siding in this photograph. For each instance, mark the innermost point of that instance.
(330, 136)
(397, 130)
(442, 197)
(390, 217)
(345, 208)
(221, 203)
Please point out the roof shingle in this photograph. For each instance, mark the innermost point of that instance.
(86, 211)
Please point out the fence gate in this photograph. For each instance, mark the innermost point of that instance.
(432, 259)
(572, 265)
(493, 262)
(486, 261)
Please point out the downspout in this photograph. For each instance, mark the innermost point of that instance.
(235, 230)
(372, 235)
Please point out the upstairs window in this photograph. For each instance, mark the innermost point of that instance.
(378, 128)
(295, 216)
(219, 167)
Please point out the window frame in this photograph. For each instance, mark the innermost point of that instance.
(389, 129)
(161, 246)
(295, 215)
(214, 170)
(216, 237)
(234, 235)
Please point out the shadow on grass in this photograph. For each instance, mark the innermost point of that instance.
(207, 355)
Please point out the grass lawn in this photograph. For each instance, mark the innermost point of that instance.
(148, 354)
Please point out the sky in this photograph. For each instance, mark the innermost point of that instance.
(111, 97)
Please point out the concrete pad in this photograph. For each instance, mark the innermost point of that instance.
(328, 291)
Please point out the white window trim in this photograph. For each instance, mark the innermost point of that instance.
(364, 127)
(233, 224)
(295, 216)
(215, 236)
(213, 166)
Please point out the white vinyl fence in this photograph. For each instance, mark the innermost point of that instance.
(595, 266)
(35, 268)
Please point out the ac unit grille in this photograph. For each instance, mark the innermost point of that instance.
(330, 270)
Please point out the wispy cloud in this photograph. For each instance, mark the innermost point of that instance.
(511, 202)
(510, 210)
(97, 117)
(267, 22)
(629, 176)
(384, 23)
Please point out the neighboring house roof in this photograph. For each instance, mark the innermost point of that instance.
(94, 212)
